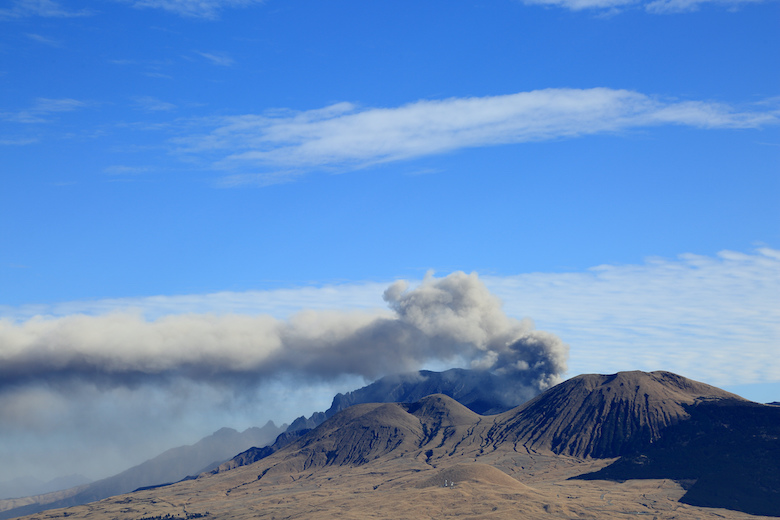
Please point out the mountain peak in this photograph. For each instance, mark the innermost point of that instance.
(603, 416)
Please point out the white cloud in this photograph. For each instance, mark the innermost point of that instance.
(42, 108)
(193, 8)
(444, 319)
(152, 104)
(712, 318)
(119, 169)
(44, 8)
(21, 141)
(218, 58)
(258, 179)
(716, 319)
(579, 5)
(345, 135)
(653, 6)
(44, 40)
(681, 6)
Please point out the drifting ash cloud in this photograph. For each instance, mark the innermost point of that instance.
(345, 135)
(449, 320)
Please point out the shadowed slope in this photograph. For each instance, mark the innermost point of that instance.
(602, 416)
(367, 432)
(479, 390)
(728, 452)
(388, 460)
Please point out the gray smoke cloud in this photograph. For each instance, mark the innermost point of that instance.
(448, 319)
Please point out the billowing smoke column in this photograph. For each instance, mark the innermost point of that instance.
(458, 313)
(450, 319)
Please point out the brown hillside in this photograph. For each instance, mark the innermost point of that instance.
(602, 416)
(366, 432)
(389, 461)
(473, 472)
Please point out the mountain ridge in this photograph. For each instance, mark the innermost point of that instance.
(587, 418)
(170, 466)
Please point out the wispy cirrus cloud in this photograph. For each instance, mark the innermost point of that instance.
(653, 6)
(19, 141)
(260, 180)
(345, 135)
(122, 170)
(218, 58)
(43, 39)
(193, 8)
(41, 109)
(152, 104)
(44, 8)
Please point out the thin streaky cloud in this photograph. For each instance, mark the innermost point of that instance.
(684, 6)
(218, 58)
(208, 9)
(126, 170)
(44, 40)
(18, 142)
(42, 108)
(259, 180)
(345, 135)
(157, 75)
(152, 104)
(654, 6)
(43, 8)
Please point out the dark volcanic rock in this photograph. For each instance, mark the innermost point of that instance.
(729, 449)
(602, 416)
(479, 390)
(366, 432)
(482, 392)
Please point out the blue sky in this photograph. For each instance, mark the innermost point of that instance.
(609, 168)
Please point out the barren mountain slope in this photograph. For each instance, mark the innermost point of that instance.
(602, 415)
(386, 460)
(169, 466)
(366, 432)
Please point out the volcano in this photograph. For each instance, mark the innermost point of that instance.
(553, 457)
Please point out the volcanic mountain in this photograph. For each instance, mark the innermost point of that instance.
(481, 391)
(384, 460)
(603, 416)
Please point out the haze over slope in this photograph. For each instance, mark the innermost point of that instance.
(237, 365)
(377, 455)
(170, 466)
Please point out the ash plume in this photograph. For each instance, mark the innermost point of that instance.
(450, 319)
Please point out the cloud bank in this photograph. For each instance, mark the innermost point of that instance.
(345, 135)
(448, 319)
(712, 318)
